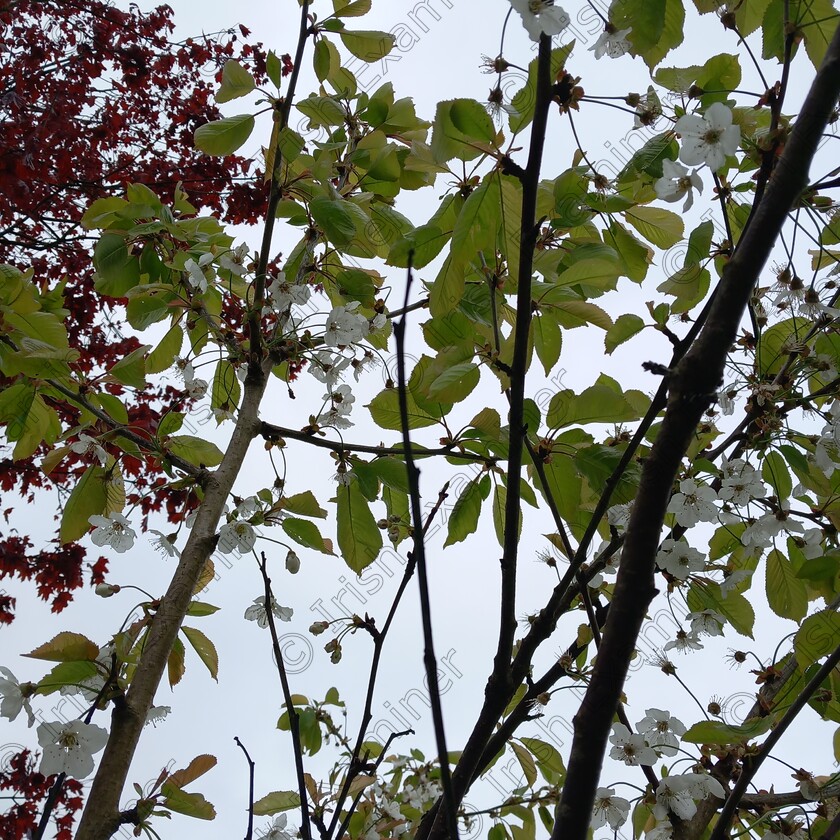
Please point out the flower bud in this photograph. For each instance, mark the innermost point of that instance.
(106, 590)
(292, 562)
(319, 627)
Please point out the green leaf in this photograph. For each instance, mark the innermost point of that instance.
(447, 289)
(449, 141)
(162, 357)
(734, 607)
(67, 673)
(548, 340)
(385, 410)
(648, 160)
(303, 504)
(624, 328)
(236, 82)
(66, 647)
(87, 499)
(775, 472)
(817, 637)
(274, 69)
(170, 423)
(369, 46)
(335, 219)
(499, 502)
(475, 228)
(659, 226)
(305, 533)
(117, 270)
(549, 760)
(786, 593)
(225, 136)
(346, 8)
(359, 538)
(456, 383)
(198, 609)
(529, 768)
(189, 804)
(463, 520)
(423, 243)
(596, 404)
(131, 370)
(226, 389)
(198, 451)
(656, 26)
(276, 802)
(472, 120)
(205, 649)
(147, 307)
(718, 732)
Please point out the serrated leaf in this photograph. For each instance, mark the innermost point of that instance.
(659, 226)
(205, 649)
(66, 647)
(817, 637)
(66, 674)
(198, 609)
(549, 760)
(198, 451)
(359, 538)
(189, 804)
(175, 663)
(225, 136)
(236, 82)
(624, 328)
(131, 370)
(718, 732)
(369, 46)
(200, 765)
(276, 802)
(162, 356)
(335, 220)
(88, 498)
(385, 410)
(463, 520)
(305, 533)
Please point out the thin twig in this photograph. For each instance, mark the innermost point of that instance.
(419, 555)
(250, 831)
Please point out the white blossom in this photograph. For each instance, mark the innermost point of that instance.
(629, 748)
(708, 138)
(342, 399)
(328, 367)
(661, 731)
(741, 483)
(693, 503)
(685, 641)
(611, 42)
(284, 294)
(86, 445)
(114, 530)
(541, 17)
(609, 808)
(677, 182)
(679, 559)
(663, 830)
(292, 562)
(673, 796)
(196, 276)
(234, 261)
(156, 714)
(15, 696)
(277, 831)
(236, 536)
(69, 747)
(708, 622)
(345, 326)
(619, 516)
(732, 580)
(257, 612)
(165, 543)
(761, 532)
(701, 785)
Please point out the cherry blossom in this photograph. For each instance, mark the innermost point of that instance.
(257, 612)
(685, 641)
(741, 483)
(114, 530)
(541, 17)
(708, 138)
(612, 42)
(236, 536)
(69, 747)
(661, 731)
(609, 808)
(285, 295)
(679, 559)
(196, 276)
(86, 445)
(328, 367)
(15, 696)
(344, 326)
(629, 748)
(674, 797)
(693, 503)
(708, 622)
(677, 182)
(277, 830)
(165, 543)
